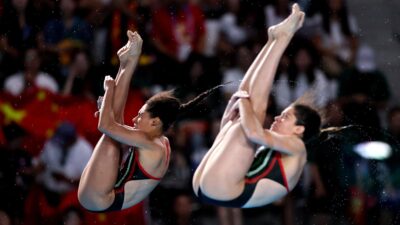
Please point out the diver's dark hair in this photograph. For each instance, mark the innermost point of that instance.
(313, 136)
(308, 114)
(309, 118)
(169, 108)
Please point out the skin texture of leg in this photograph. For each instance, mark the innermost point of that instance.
(223, 175)
(129, 58)
(250, 73)
(199, 171)
(264, 74)
(244, 86)
(99, 177)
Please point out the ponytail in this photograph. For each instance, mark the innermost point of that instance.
(350, 134)
(330, 132)
(168, 108)
(189, 106)
(325, 135)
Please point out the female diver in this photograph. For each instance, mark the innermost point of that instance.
(104, 185)
(234, 172)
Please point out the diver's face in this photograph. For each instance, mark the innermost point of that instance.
(285, 123)
(143, 120)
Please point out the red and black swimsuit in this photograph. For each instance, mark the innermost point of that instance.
(132, 170)
(266, 164)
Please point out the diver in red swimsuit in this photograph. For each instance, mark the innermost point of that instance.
(235, 172)
(104, 186)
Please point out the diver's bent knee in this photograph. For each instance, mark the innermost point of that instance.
(86, 200)
(93, 201)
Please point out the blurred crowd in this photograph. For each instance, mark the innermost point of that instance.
(54, 56)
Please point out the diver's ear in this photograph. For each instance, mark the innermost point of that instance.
(299, 129)
(156, 122)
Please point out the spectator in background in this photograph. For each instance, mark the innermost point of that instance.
(81, 88)
(250, 17)
(63, 159)
(178, 29)
(15, 171)
(44, 10)
(276, 12)
(63, 35)
(32, 76)
(240, 24)
(73, 216)
(182, 210)
(371, 82)
(177, 33)
(338, 35)
(233, 31)
(393, 119)
(230, 216)
(5, 218)
(95, 13)
(393, 129)
(120, 16)
(302, 75)
(235, 73)
(18, 29)
(80, 80)
(362, 102)
(201, 74)
(68, 27)
(59, 167)
(213, 11)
